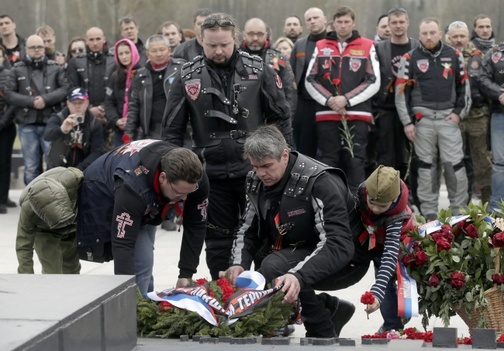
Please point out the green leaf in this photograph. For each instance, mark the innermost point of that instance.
(456, 259)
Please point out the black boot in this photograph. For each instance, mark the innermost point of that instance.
(341, 311)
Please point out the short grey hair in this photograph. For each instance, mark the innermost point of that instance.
(458, 25)
(156, 37)
(266, 141)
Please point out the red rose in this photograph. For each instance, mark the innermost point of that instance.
(446, 227)
(418, 115)
(498, 239)
(457, 280)
(165, 306)
(471, 230)
(433, 280)
(420, 258)
(408, 259)
(443, 244)
(367, 298)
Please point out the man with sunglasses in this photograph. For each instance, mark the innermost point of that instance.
(127, 192)
(36, 87)
(226, 94)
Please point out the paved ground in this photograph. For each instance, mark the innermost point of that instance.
(165, 275)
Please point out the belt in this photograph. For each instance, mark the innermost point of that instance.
(232, 134)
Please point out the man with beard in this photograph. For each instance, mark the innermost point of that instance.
(293, 28)
(227, 94)
(475, 126)
(432, 96)
(305, 131)
(255, 43)
(47, 34)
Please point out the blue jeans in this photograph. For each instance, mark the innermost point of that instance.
(144, 258)
(497, 142)
(389, 306)
(33, 147)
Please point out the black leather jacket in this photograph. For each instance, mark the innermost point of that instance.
(492, 77)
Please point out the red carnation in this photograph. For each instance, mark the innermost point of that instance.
(471, 230)
(418, 115)
(498, 239)
(201, 281)
(457, 280)
(498, 278)
(420, 258)
(227, 289)
(165, 306)
(433, 280)
(367, 298)
(408, 259)
(327, 75)
(336, 82)
(443, 244)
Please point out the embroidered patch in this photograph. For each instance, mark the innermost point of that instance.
(355, 64)
(123, 220)
(296, 212)
(475, 64)
(496, 57)
(327, 51)
(278, 81)
(356, 52)
(141, 170)
(193, 88)
(423, 65)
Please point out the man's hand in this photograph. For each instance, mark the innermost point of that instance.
(501, 98)
(69, 123)
(337, 103)
(39, 103)
(453, 117)
(121, 123)
(99, 113)
(373, 307)
(410, 131)
(291, 287)
(181, 282)
(232, 273)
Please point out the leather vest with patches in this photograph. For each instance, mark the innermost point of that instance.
(296, 210)
(218, 114)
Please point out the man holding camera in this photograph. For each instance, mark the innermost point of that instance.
(76, 137)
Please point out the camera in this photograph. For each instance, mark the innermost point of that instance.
(79, 119)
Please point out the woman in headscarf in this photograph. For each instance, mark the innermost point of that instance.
(118, 91)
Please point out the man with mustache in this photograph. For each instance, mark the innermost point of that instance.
(432, 96)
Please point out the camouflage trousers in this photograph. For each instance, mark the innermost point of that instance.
(474, 128)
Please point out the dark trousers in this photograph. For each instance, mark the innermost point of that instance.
(225, 207)
(317, 319)
(7, 137)
(305, 130)
(391, 142)
(334, 149)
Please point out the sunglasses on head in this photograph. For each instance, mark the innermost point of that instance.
(220, 22)
(77, 51)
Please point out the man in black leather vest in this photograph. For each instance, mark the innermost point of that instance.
(304, 213)
(226, 94)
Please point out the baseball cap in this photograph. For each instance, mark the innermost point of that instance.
(77, 94)
(384, 184)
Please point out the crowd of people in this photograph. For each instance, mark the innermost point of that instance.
(307, 151)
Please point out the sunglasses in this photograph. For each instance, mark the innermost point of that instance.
(397, 9)
(179, 194)
(217, 22)
(77, 51)
(35, 48)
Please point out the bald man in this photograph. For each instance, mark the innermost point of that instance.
(255, 43)
(35, 87)
(91, 72)
(305, 132)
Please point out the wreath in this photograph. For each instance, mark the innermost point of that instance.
(164, 320)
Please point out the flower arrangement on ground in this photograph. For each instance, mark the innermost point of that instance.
(163, 319)
(452, 261)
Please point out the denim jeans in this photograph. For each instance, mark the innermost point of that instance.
(144, 258)
(497, 142)
(33, 147)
